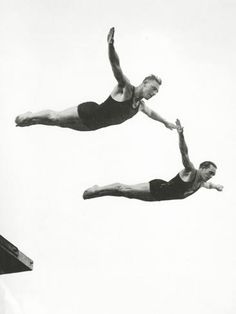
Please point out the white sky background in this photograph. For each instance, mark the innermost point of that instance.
(114, 255)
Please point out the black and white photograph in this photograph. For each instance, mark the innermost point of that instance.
(117, 123)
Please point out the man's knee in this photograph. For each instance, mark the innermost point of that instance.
(123, 189)
(54, 116)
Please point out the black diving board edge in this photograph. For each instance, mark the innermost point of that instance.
(12, 260)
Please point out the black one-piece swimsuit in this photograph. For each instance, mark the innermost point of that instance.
(110, 112)
(176, 188)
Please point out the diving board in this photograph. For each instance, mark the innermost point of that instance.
(12, 260)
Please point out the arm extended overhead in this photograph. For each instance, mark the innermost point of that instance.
(114, 60)
(188, 165)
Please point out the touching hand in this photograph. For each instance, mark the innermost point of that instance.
(170, 125)
(219, 187)
(110, 36)
(179, 127)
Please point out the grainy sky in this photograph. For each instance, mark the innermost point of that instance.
(113, 255)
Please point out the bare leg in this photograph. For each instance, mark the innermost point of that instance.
(68, 118)
(138, 191)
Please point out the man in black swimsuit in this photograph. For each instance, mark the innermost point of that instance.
(184, 184)
(123, 103)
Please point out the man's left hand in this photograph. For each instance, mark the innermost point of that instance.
(110, 36)
(179, 127)
(219, 187)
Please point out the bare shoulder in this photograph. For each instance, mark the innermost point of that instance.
(187, 174)
(205, 185)
(144, 108)
(121, 93)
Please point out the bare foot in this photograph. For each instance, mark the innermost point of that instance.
(90, 193)
(24, 119)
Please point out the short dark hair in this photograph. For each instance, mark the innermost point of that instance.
(153, 77)
(207, 164)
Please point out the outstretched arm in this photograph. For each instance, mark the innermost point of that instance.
(155, 116)
(114, 60)
(210, 185)
(183, 147)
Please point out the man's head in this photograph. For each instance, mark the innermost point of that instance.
(150, 86)
(207, 170)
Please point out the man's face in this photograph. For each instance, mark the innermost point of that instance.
(150, 89)
(208, 173)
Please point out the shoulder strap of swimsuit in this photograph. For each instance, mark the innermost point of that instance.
(133, 89)
(195, 179)
(136, 107)
(195, 174)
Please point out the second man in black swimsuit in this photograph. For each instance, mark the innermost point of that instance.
(185, 183)
(123, 103)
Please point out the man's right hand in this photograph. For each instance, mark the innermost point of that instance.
(219, 187)
(179, 127)
(110, 36)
